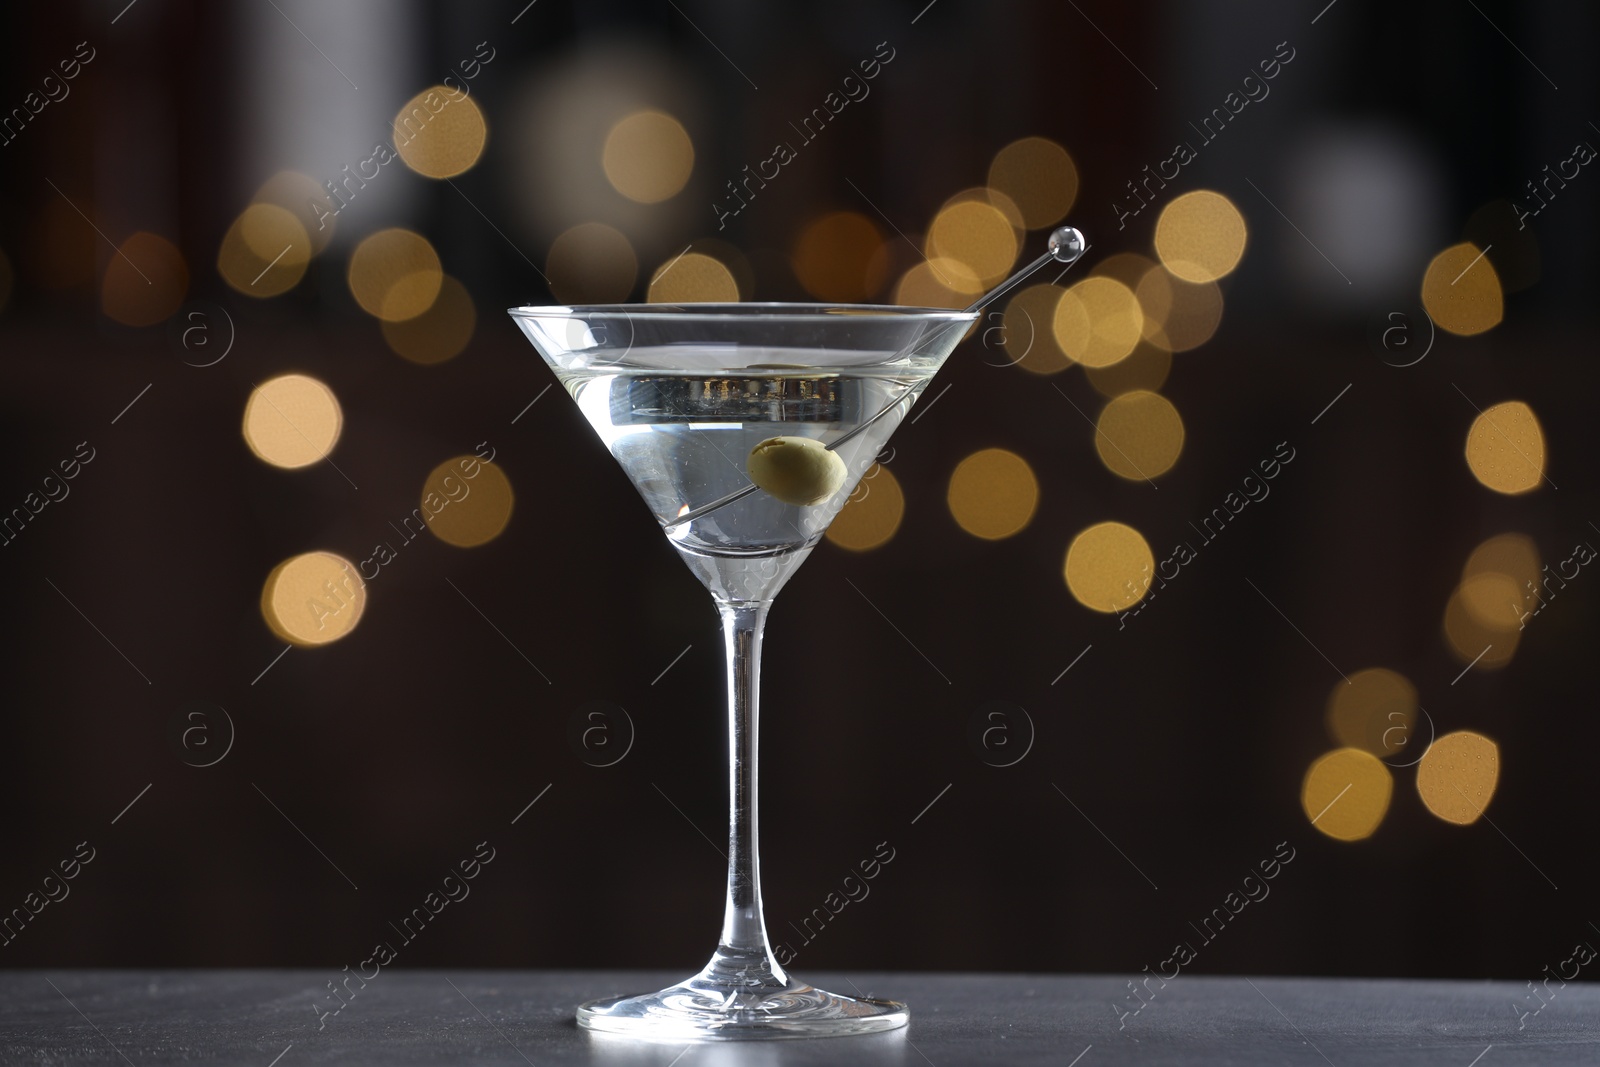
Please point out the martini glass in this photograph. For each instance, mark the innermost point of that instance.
(681, 395)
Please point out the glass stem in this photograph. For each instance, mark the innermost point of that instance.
(744, 957)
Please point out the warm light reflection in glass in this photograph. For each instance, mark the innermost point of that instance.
(313, 599)
(993, 494)
(1200, 236)
(872, 514)
(1346, 794)
(466, 502)
(693, 278)
(292, 421)
(1375, 711)
(1505, 448)
(395, 275)
(1457, 776)
(265, 251)
(1039, 177)
(1109, 567)
(440, 132)
(591, 263)
(438, 334)
(648, 157)
(146, 281)
(1139, 435)
(837, 258)
(1098, 321)
(1461, 291)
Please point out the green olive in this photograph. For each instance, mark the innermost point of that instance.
(796, 470)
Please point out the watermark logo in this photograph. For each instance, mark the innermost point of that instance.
(202, 333)
(601, 733)
(852, 889)
(606, 333)
(1402, 729)
(1000, 733)
(872, 468)
(201, 733)
(996, 339)
(1403, 338)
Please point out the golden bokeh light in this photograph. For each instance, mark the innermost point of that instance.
(837, 258)
(1375, 711)
(1098, 321)
(1346, 794)
(1461, 291)
(313, 599)
(591, 263)
(1039, 177)
(872, 514)
(440, 132)
(466, 501)
(993, 494)
(301, 196)
(996, 199)
(648, 157)
(1505, 448)
(693, 278)
(989, 198)
(438, 334)
(1200, 236)
(977, 234)
(395, 275)
(1109, 567)
(937, 283)
(1514, 554)
(1179, 315)
(1457, 776)
(1505, 558)
(733, 258)
(1125, 267)
(265, 251)
(1482, 647)
(1493, 600)
(1146, 367)
(292, 421)
(1139, 435)
(1028, 335)
(146, 281)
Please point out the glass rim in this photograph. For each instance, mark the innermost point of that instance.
(743, 311)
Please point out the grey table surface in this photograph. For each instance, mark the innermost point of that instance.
(271, 1018)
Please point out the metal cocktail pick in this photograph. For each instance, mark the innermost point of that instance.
(1066, 245)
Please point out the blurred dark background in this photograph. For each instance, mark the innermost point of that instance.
(1170, 755)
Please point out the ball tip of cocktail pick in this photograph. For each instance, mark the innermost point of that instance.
(1067, 244)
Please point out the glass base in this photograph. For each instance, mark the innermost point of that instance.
(700, 1010)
